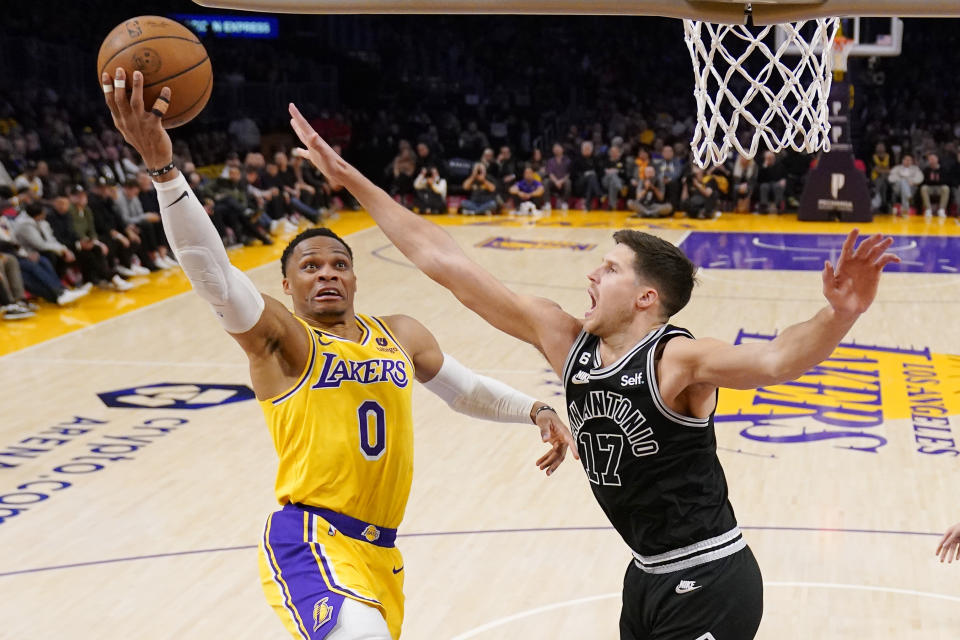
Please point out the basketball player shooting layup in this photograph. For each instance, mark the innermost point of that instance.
(335, 388)
(640, 395)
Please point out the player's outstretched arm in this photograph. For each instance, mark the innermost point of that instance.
(479, 396)
(849, 288)
(949, 547)
(537, 321)
(264, 327)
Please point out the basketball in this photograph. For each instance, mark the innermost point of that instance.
(168, 55)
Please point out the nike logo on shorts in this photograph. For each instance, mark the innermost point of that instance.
(686, 586)
(396, 571)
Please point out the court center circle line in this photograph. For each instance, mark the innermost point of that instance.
(499, 622)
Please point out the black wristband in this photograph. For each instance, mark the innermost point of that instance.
(545, 407)
(156, 173)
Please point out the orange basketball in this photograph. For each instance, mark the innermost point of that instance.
(168, 55)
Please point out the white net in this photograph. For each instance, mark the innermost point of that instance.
(747, 92)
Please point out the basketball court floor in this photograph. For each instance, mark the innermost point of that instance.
(136, 472)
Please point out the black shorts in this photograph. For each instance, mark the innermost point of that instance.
(719, 600)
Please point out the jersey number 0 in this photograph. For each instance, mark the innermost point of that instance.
(373, 430)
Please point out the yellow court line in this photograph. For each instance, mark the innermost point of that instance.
(52, 321)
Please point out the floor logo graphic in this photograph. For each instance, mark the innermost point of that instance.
(849, 397)
(176, 395)
(513, 244)
(807, 251)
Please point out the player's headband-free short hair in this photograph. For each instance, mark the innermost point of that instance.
(306, 235)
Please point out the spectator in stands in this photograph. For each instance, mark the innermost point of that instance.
(904, 180)
(303, 195)
(233, 160)
(879, 171)
(490, 164)
(585, 170)
(699, 194)
(13, 297)
(311, 181)
(30, 179)
(115, 168)
(558, 176)
(744, 181)
(508, 170)
(771, 184)
(934, 182)
(638, 171)
(33, 232)
(481, 192)
(528, 192)
(670, 172)
(143, 224)
(74, 227)
(402, 171)
(614, 176)
(148, 199)
(536, 163)
(426, 157)
(650, 200)
(122, 240)
(280, 179)
(431, 191)
(262, 190)
(85, 229)
(232, 209)
(38, 275)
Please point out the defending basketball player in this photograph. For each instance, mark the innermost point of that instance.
(641, 394)
(336, 388)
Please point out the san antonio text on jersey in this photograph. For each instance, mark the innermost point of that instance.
(654, 472)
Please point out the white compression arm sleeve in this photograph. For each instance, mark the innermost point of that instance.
(200, 251)
(479, 396)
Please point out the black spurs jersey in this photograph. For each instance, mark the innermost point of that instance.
(654, 472)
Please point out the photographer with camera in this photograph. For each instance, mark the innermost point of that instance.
(650, 201)
(431, 191)
(482, 192)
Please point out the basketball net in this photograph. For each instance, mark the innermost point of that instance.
(747, 92)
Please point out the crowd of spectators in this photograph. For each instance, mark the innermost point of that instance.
(489, 115)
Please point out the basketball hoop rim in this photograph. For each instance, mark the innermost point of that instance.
(763, 12)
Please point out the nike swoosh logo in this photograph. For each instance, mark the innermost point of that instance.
(687, 589)
(396, 571)
(183, 195)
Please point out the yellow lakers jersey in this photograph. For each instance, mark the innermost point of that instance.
(344, 432)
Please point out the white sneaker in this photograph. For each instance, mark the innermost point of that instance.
(564, 207)
(927, 213)
(941, 213)
(125, 272)
(70, 295)
(16, 312)
(274, 224)
(290, 228)
(166, 263)
(120, 284)
(139, 270)
(86, 287)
